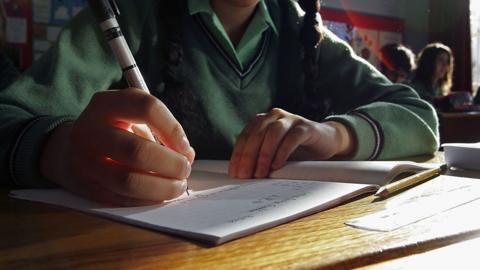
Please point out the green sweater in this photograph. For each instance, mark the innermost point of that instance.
(388, 120)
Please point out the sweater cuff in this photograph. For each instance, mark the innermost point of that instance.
(26, 153)
(368, 134)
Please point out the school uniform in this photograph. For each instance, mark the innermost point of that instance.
(227, 85)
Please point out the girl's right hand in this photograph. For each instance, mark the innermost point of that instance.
(97, 156)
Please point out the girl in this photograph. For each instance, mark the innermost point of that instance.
(259, 81)
(433, 77)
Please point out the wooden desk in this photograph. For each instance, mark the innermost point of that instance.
(459, 127)
(37, 236)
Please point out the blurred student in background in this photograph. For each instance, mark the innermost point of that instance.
(433, 77)
(397, 62)
(8, 72)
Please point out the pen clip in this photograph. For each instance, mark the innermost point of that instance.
(115, 8)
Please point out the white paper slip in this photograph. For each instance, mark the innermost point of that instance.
(216, 212)
(438, 195)
(463, 155)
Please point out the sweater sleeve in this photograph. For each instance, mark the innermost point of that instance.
(56, 89)
(388, 120)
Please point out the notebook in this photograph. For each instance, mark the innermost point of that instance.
(220, 209)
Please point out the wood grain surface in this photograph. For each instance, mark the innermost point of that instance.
(37, 236)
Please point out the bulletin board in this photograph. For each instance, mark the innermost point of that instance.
(49, 16)
(33, 26)
(365, 33)
(18, 15)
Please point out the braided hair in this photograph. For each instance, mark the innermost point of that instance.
(312, 103)
(178, 95)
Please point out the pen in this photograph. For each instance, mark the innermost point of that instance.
(420, 177)
(106, 12)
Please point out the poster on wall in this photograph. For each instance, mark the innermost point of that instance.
(366, 44)
(18, 29)
(340, 29)
(49, 16)
(41, 11)
(365, 33)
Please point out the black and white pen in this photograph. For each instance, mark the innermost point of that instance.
(106, 12)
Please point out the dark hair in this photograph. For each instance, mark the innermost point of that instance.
(426, 65)
(177, 95)
(395, 56)
(311, 103)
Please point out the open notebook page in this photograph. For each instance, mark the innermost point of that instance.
(361, 172)
(219, 209)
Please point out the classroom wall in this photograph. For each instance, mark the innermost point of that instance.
(416, 23)
(388, 8)
(33, 26)
(413, 12)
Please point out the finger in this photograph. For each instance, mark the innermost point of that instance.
(143, 131)
(132, 184)
(240, 145)
(273, 137)
(295, 137)
(98, 193)
(191, 156)
(249, 156)
(92, 190)
(136, 106)
(135, 152)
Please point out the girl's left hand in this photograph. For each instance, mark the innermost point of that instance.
(271, 138)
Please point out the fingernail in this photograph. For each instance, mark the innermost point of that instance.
(190, 155)
(185, 144)
(181, 187)
(187, 169)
